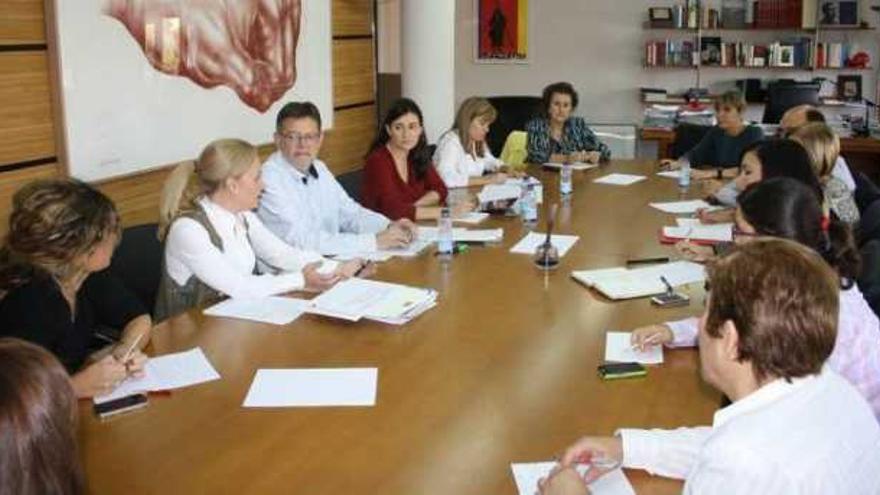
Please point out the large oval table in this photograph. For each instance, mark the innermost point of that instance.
(502, 370)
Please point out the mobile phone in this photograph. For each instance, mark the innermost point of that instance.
(670, 300)
(613, 371)
(118, 406)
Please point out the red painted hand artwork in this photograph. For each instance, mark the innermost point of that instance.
(247, 45)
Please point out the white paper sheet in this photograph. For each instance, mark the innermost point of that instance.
(313, 387)
(618, 349)
(167, 372)
(620, 179)
(276, 310)
(471, 218)
(464, 235)
(526, 476)
(358, 298)
(530, 242)
(672, 174)
(721, 232)
(499, 192)
(574, 166)
(683, 207)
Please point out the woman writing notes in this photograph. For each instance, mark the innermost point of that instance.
(559, 137)
(463, 157)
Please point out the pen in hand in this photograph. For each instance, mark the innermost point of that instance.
(127, 356)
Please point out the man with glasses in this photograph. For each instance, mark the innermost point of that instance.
(306, 206)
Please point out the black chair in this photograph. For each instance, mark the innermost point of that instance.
(138, 262)
(867, 193)
(686, 137)
(783, 95)
(869, 224)
(869, 281)
(513, 113)
(351, 183)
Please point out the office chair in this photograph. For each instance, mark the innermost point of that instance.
(784, 95)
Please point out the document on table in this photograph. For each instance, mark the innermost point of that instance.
(672, 174)
(623, 283)
(313, 388)
(719, 232)
(167, 372)
(277, 310)
(527, 475)
(499, 192)
(574, 166)
(472, 218)
(358, 298)
(684, 207)
(530, 242)
(620, 179)
(619, 349)
(464, 235)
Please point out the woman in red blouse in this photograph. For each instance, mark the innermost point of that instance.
(399, 179)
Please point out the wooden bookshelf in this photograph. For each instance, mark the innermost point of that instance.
(757, 67)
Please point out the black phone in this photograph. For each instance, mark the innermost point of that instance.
(670, 300)
(118, 406)
(613, 371)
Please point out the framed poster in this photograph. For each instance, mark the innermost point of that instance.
(147, 83)
(502, 31)
(849, 87)
(844, 13)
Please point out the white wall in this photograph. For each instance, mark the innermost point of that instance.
(597, 45)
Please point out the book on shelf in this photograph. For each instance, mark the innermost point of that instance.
(733, 14)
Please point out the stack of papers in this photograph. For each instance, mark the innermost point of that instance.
(313, 387)
(526, 476)
(623, 283)
(464, 235)
(165, 373)
(620, 179)
(574, 166)
(357, 298)
(684, 207)
(276, 310)
(619, 350)
(529, 243)
(693, 230)
(499, 192)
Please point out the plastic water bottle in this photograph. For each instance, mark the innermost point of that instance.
(565, 186)
(684, 174)
(444, 233)
(528, 204)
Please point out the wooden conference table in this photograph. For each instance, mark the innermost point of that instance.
(502, 370)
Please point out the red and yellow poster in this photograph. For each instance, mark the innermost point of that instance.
(502, 30)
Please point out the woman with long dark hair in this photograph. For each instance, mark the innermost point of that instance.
(786, 208)
(38, 451)
(399, 179)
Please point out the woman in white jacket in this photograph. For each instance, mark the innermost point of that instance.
(463, 157)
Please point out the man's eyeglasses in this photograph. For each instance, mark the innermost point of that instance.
(296, 137)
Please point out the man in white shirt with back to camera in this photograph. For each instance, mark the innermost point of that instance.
(794, 427)
(305, 205)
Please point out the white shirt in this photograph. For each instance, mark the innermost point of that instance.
(815, 435)
(316, 214)
(842, 172)
(455, 165)
(189, 253)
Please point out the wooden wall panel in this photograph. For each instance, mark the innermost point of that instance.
(346, 144)
(353, 72)
(11, 181)
(21, 22)
(352, 17)
(137, 196)
(26, 131)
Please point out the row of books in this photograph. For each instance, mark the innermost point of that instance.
(796, 53)
(744, 14)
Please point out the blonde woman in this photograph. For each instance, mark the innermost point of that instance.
(463, 157)
(55, 291)
(823, 146)
(213, 240)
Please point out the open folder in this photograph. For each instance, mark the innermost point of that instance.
(358, 298)
(623, 283)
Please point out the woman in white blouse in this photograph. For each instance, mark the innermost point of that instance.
(213, 240)
(462, 156)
